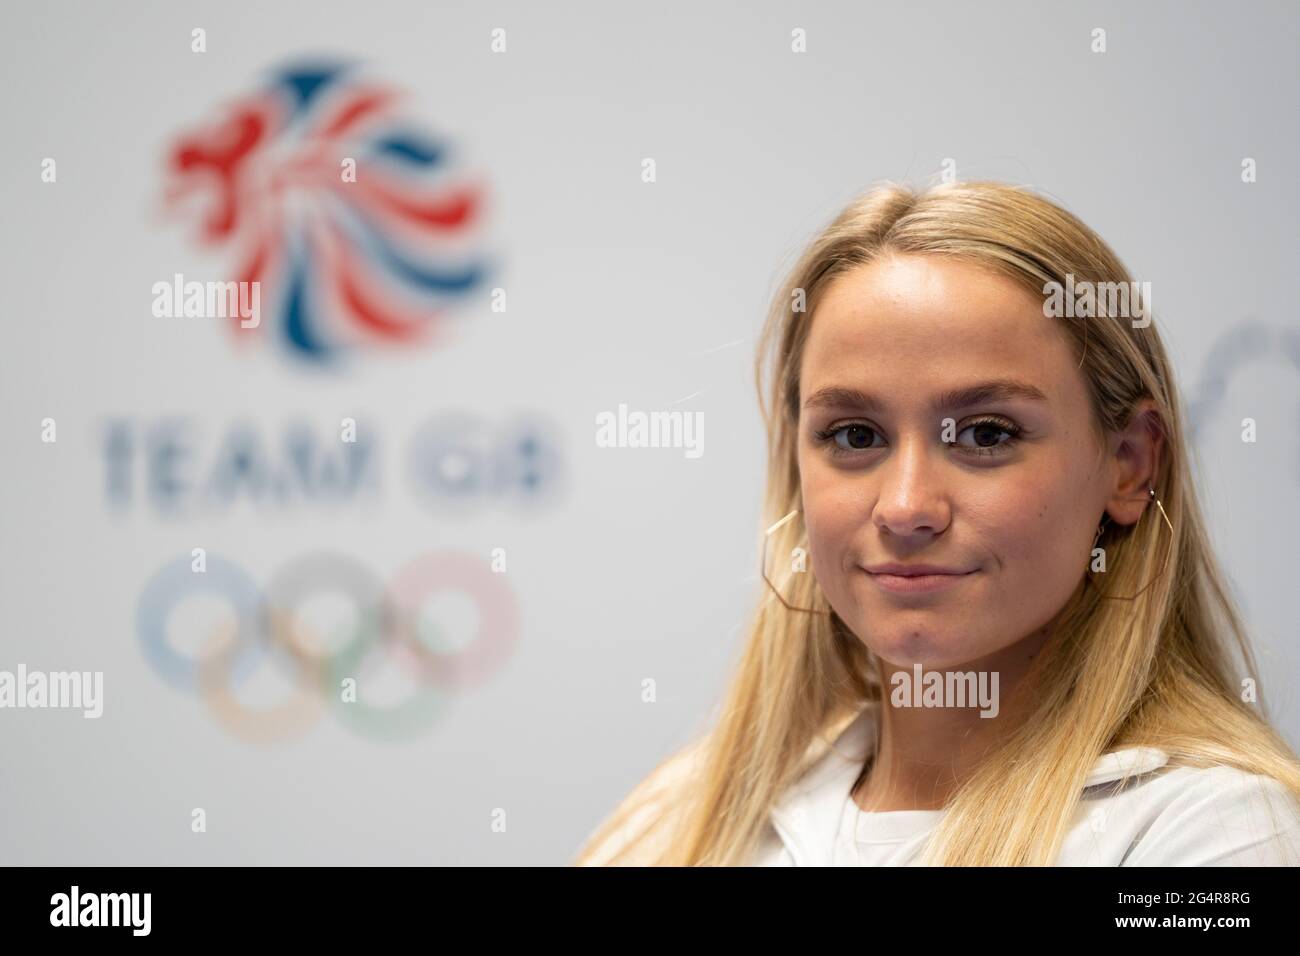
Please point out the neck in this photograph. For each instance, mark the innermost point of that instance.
(924, 753)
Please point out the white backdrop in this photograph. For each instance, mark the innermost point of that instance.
(624, 564)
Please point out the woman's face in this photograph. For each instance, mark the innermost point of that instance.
(1004, 506)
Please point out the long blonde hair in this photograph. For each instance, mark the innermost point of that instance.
(1164, 669)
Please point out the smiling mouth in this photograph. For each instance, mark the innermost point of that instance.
(909, 583)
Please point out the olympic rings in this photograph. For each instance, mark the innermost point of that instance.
(325, 572)
(276, 724)
(386, 628)
(165, 590)
(410, 587)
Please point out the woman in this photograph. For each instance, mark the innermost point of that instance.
(978, 481)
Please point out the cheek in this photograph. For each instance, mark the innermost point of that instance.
(1035, 527)
(834, 514)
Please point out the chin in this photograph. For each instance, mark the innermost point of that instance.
(932, 646)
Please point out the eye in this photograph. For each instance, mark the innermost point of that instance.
(988, 436)
(851, 437)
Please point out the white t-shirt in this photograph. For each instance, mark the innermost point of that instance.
(881, 838)
(1184, 816)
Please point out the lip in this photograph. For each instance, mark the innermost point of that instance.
(916, 578)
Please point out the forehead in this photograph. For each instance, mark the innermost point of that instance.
(913, 325)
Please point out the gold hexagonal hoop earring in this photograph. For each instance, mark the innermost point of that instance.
(1151, 492)
(763, 568)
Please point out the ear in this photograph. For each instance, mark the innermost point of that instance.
(1135, 454)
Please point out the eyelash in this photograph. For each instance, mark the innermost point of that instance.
(1013, 430)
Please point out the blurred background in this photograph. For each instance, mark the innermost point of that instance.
(394, 478)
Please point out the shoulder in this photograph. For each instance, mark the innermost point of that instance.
(640, 811)
(1214, 816)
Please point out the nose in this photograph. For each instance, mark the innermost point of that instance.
(910, 499)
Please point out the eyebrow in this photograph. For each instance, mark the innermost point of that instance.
(835, 396)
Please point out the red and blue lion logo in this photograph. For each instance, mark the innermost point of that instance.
(349, 218)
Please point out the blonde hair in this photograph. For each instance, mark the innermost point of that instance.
(1163, 669)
